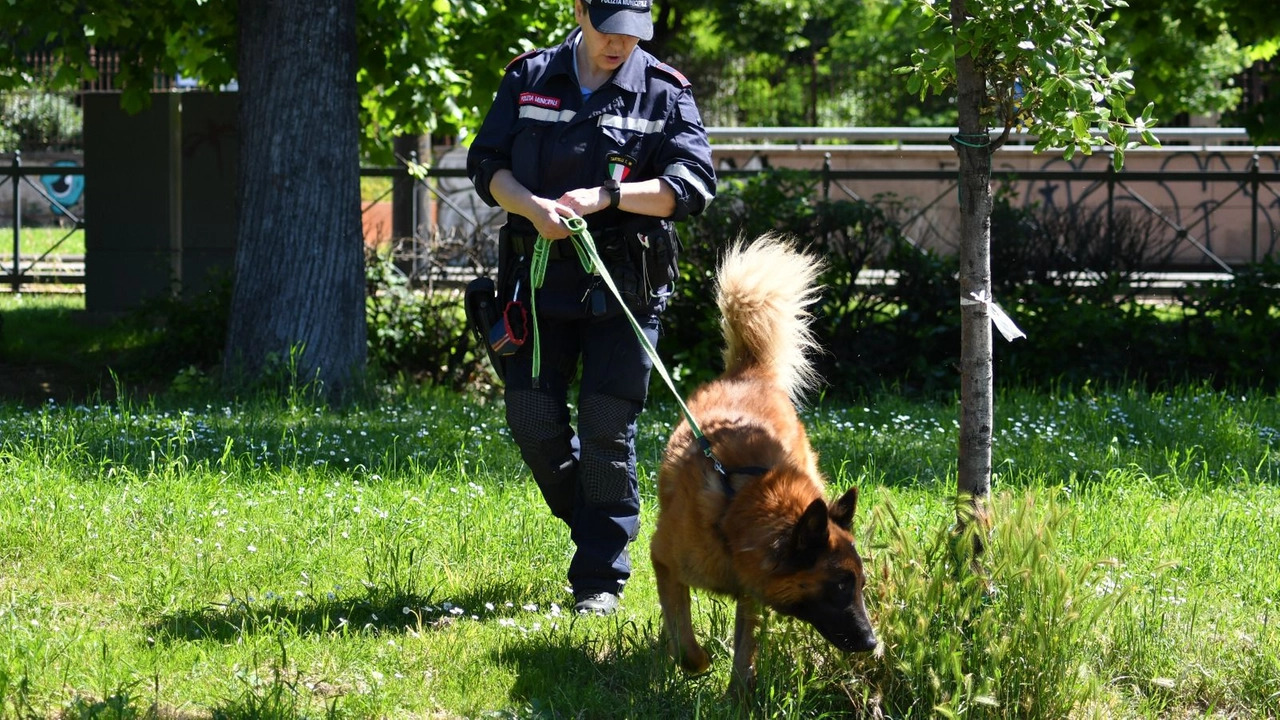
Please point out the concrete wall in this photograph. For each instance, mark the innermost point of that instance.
(160, 212)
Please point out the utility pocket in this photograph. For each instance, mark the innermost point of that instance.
(657, 249)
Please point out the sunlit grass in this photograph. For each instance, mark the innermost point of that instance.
(279, 559)
(36, 241)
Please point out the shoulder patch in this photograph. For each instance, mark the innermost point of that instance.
(528, 53)
(673, 73)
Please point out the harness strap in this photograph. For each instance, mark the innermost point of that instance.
(729, 491)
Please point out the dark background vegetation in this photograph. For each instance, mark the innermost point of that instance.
(1069, 279)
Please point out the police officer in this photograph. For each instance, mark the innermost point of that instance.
(598, 128)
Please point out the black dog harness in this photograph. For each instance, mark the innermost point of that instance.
(729, 491)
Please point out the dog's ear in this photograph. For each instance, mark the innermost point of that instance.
(842, 510)
(809, 537)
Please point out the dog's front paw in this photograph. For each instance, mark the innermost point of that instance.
(694, 660)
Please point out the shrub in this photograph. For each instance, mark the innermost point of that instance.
(417, 326)
(872, 334)
(1228, 328)
(41, 120)
(1004, 641)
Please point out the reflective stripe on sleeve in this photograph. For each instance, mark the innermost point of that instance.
(682, 172)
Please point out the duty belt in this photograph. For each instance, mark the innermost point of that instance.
(523, 245)
(557, 249)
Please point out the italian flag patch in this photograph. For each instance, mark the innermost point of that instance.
(620, 166)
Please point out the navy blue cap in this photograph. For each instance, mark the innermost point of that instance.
(622, 17)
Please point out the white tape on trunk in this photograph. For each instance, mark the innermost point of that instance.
(999, 317)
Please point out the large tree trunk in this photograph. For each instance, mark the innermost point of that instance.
(298, 301)
(974, 469)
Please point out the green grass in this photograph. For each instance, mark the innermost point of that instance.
(50, 349)
(374, 188)
(43, 328)
(198, 558)
(39, 240)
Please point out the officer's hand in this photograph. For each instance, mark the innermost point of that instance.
(585, 201)
(549, 220)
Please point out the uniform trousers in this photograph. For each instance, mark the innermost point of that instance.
(587, 474)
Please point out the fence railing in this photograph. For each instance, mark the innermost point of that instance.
(446, 203)
(1251, 183)
(48, 267)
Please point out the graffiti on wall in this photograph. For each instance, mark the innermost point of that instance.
(64, 191)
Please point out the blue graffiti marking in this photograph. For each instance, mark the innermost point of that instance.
(64, 189)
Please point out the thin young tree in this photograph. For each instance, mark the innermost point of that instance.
(1034, 63)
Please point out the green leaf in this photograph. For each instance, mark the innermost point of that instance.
(1080, 126)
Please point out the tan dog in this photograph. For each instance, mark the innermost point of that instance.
(761, 531)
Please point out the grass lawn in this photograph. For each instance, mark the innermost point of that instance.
(192, 557)
(39, 240)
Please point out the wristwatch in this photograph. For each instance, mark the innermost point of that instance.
(612, 187)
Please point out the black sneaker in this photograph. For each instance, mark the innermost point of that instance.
(481, 305)
(595, 603)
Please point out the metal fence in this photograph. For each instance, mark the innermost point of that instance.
(48, 269)
(451, 228)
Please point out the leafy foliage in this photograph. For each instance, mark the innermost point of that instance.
(1190, 53)
(1044, 70)
(38, 120)
(432, 67)
(425, 65)
(872, 333)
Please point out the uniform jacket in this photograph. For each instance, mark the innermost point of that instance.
(641, 124)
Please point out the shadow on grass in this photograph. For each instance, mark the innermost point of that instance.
(618, 669)
(376, 613)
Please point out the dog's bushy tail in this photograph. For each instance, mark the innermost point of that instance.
(764, 289)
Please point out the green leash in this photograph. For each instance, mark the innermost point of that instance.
(591, 263)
